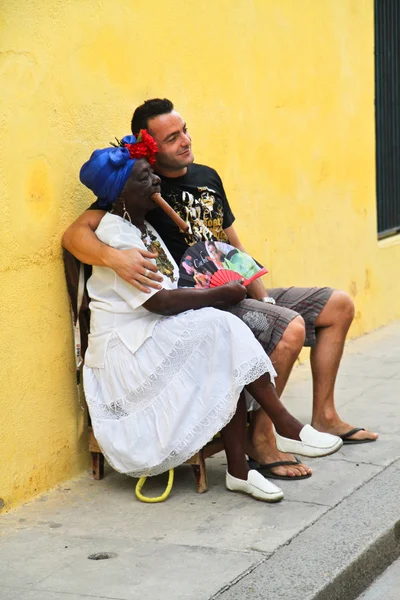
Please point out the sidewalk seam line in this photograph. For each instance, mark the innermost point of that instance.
(241, 576)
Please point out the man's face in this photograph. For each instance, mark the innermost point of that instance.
(173, 141)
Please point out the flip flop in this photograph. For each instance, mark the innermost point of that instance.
(345, 437)
(267, 472)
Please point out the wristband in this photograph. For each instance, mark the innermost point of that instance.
(267, 300)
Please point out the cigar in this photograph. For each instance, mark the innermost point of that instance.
(170, 212)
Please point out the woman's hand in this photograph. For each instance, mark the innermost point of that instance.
(134, 267)
(232, 292)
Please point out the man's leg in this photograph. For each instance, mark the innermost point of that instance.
(281, 333)
(332, 325)
(327, 314)
(261, 443)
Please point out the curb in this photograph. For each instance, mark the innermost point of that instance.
(337, 557)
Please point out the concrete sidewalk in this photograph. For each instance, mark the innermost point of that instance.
(327, 540)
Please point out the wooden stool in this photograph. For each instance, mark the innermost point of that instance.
(197, 461)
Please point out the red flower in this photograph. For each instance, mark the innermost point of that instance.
(145, 147)
(149, 140)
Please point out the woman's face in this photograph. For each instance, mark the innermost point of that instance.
(142, 183)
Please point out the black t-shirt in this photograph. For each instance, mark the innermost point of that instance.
(199, 198)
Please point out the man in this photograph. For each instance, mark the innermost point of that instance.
(319, 317)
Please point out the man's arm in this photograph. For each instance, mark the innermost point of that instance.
(256, 288)
(130, 265)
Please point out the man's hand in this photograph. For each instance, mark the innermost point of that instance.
(134, 267)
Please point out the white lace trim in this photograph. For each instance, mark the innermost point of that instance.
(144, 395)
(210, 425)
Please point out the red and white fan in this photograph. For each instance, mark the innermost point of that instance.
(211, 264)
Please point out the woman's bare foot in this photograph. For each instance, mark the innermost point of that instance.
(265, 452)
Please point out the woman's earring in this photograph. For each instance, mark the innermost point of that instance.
(125, 214)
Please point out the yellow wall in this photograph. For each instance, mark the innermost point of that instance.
(279, 97)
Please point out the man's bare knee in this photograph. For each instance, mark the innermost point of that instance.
(294, 335)
(344, 305)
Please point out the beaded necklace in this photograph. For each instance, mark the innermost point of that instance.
(163, 263)
(152, 244)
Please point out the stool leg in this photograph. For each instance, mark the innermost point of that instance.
(97, 465)
(200, 474)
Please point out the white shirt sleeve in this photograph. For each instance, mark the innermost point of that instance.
(119, 234)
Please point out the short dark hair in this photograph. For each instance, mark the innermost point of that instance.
(148, 110)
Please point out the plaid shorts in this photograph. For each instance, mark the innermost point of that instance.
(269, 321)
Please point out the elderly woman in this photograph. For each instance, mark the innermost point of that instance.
(165, 372)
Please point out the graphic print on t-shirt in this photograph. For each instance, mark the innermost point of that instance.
(199, 199)
(203, 214)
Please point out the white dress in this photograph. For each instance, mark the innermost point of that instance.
(159, 388)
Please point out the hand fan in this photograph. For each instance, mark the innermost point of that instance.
(211, 264)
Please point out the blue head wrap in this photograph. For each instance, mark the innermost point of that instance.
(107, 171)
